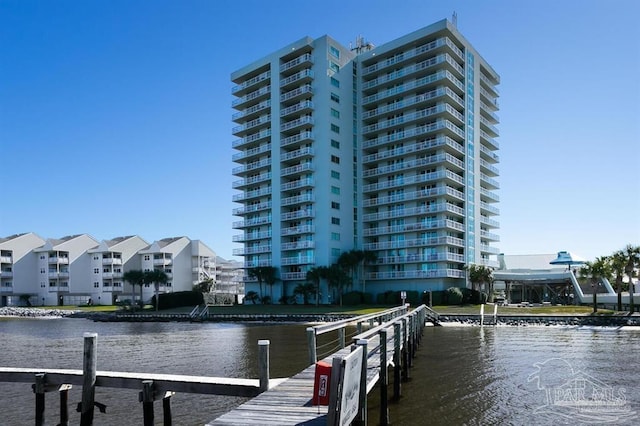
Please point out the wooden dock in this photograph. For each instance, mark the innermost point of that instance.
(290, 403)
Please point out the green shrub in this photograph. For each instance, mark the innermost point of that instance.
(353, 298)
(178, 299)
(454, 296)
(438, 297)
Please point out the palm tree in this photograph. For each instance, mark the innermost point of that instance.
(262, 274)
(480, 274)
(157, 277)
(368, 257)
(618, 262)
(304, 290)
(594, 272)
(134, 277)
(269, 277)
(314, 275)
(633, 260)
(339, 279)
(252, 296)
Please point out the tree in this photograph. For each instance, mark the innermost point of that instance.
(305, 290)
(252, 296)
(354, 261)
(368, 257)
(204, 286)
(134, 277)
(156, 277)
(314, 275)
(263, 274)
(633, 261)
(618, 262)
(479, 275)
(593, 272)
(338, 279)
(269, 277)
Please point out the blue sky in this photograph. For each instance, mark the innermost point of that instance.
(115, 116)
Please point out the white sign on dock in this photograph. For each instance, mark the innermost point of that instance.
(351, 387)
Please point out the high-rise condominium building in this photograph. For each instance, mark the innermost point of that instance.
(389, 149)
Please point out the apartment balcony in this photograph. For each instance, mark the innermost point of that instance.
(448, 159)
(111, 275)
(304, 121)
(6, 259)
(488, 168)
(253, 166)
(488, 127)
(6, 288)
(414, 101)
(252, 125)
(305, 136)
(415, 179)
(420, 258)
(6, 274)
(252, 250)
(429, 144)
(61, 288)
(489, 154)
(298, 230)
(252, 208)
(252, 236)
(253, 180)
(253, 152)
(489, 195)
(489, 85)
(490, 223)
(489, 113)
(294, 276)
(252, 194)
(414, 195)
(297, 169)
(414, 227)
(397, 213)
(297, 184)
(251, 222)
(256, 264)
(489, 182)
(418, 242)
(297, 154)
(56, 275)
(486, 139)
(297, 93)
(58, 260)
(488, 99)
(297, 63)
(488, 249)
(490, 263)
(431, 273)
(303, 76)
(253, 138)
(489, 236)
(111, 261)
(245, 86)
(299, 199)
(306, 106)
(440, 109)
(427, 48)
(162, 262)
(439, 125)
(254, 96)
(297, 260)
(252, 111)
(488, 208)
(298, 245)
(298, 214)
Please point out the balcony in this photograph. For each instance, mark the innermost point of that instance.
(256, 264)
(252, 194)
(299, 138)
(245, 85)
(6, 259)
(302, 121)
(252, 236)
(252, 250)
(418, 115)
(418, 242)
(490, 195)
(251, 152)
(59, 260)
(298, 214)
(256, 165)
(297, 154)
(296, 63)
(53, 275)
(252, 110)
(489, 141)
(252, 208)
(489, 85)
(297, 230)
(297, 184)
(6, 288)
(487, 167)
(438, 125)
(111, 261)
(300, 168)
(251, 138)
(261, 121)
(489, 222)
(417, 163)
(6, 274)
(414, 100)
(251, 222)
(488, 208)
(488, 99)
(299, 199)
(490, 154)
(263, 177)
(414, 227)
(492, 183)
(486, 124)
(302, 107)
(298, 245)
(293, 276)
(162, 262)
(297, 260)
(262, 92)
(111, 275)
(296, 93)
(301, 76)
(415, 274)
(489, 236)
(488, 249)
(414, 258)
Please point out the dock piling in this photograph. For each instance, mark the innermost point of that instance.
(39, 390)
(263, 364)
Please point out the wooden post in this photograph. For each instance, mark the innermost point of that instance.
(335, 392)
(263, 364)
(64, 408)
(397, 361)
(147, 402)
(384, 379)
(341, 338)
(311, 344)
(89, 378)
(410, 321)
(359, 327)
(361, 418)
(166, 408)
(405, 351)
(39, 389)
(482, 314)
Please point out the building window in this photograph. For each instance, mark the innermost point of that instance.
(335, 221)
(334, 67)
(335, 98)
(335, 236)
(335, 175)
(334, 52)
(335, 144)
(335, 128)
(335, 252)
(335, 82)
(96, 284)
(335, 190)
(146, 257)
(335, 113)
(335, 205)
(96, 270)
(335, 159)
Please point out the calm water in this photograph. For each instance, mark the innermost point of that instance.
(461, 375)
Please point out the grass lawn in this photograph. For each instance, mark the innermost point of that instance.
(514, 310)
